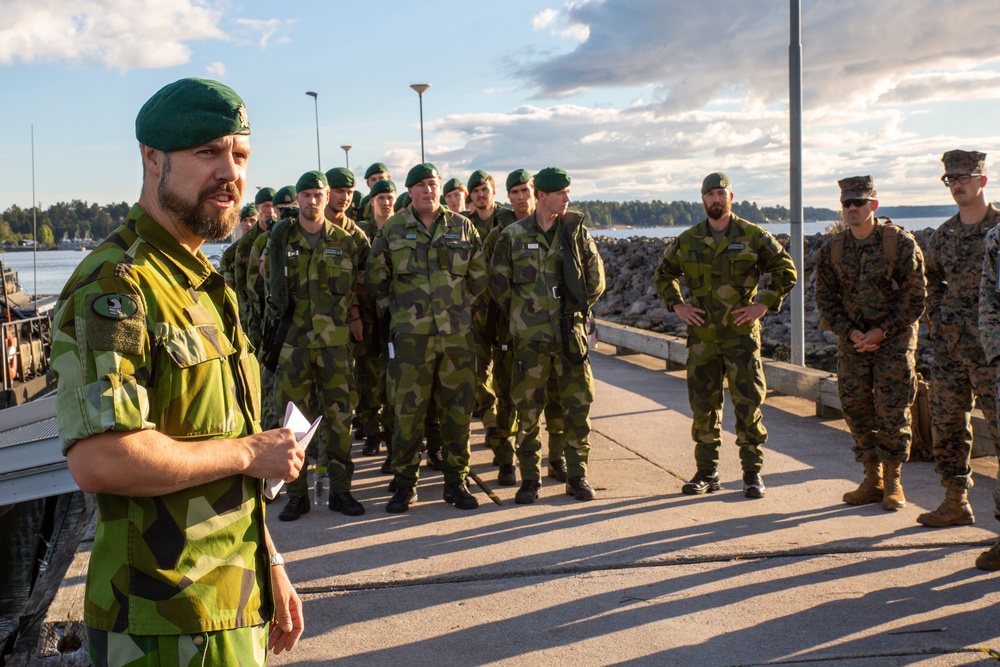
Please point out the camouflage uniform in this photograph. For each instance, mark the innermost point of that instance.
(314, 367)
(876, 388)
(148, 337)
(189, 650)
(227, 267)
(526, 271)
(370, 360)
(954, 265)
(721, 277)
(256, 295)
(241, 263)
(427, 280)
(989, 321)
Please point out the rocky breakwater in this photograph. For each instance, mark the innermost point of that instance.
(631, 298)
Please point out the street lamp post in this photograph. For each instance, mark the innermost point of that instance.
(421, 88)
(347, 156)
(315, 96)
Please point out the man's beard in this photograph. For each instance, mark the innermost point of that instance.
(208, 226)
(716, 211)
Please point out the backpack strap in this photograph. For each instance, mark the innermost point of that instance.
(837, 250)
(890, 249)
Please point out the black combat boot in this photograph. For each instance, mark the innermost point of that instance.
(704, 481)
(580, 488)
(528, 493)
(401, 499)
(457, 493)
(296, 507)
(344, 502)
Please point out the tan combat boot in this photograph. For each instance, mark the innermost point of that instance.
(990, 560)
(870, 490)
(893, 498)
(954, 510)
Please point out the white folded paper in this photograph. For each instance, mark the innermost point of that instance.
(303, 431)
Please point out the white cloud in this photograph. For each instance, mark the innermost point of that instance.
(217, 69)
(267, 29)
(119, 34)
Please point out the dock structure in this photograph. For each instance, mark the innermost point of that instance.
(645, 575)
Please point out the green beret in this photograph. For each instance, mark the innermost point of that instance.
(420, 172)
(310, 181)
(959, 162)
(339, 177)
(551, 179)
(189, 113)
(285, 195)
(478, 178)
(451, 185)
(377, 168)
(402, 202)
(715, 180)
(264, 195)
(356, 199)
(857, 187)
(382, 186)
(518, 177)
(247, 211)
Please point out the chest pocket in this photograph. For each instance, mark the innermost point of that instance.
(526, 266)
(339, 267)
(696, 263)
(403, 256)
(459, 254)
(741, 268)
(197, 396)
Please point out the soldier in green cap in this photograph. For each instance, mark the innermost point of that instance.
(375, 173)
(248, 219)
(158, 410)
(314, 268)
(545, 275)
(266, 216)
(721, 260)
(454, 194)
(425, 268)
(870, 292)
(960, 372)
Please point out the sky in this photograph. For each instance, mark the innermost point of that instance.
(636, 99)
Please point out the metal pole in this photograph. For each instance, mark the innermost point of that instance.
(315, 96)
(421, 88)
(34, 219)
(795, 182)
(347, 156)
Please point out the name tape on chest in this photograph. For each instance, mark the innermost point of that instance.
(334, 252)
(411, 237)
(532, 246)
(737, 247)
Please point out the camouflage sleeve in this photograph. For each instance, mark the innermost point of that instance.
(228, 259)
(829, 301)
(499, 279)
(594, 270)
(909, 302)
(668, 275)
(934, 273)
(100, 355)
(989, 298)
(378, 271)
(364, 249)
(475, 279)
(775, 261)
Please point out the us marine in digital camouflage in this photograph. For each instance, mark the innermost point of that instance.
(722, 259)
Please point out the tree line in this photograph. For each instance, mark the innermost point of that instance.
(73, 219)
(658, 213)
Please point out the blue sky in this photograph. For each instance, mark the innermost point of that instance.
(637, 99)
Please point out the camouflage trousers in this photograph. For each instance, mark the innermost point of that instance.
(319, 382)
(959, 378)
(502, 443)
(422, 370)
(268, 418)
(876, 392)
(486, 399)
(366, 379)
(244, 646)
(540, 369)
(737, 361)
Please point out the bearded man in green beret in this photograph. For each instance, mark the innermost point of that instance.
(425, 268)
(159, 412)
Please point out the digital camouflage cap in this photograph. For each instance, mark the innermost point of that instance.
(960, 162)
(857, 187)
(188, 113)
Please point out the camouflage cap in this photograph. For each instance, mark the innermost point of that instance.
(715, 180)
(964, 162)
(518, 177)
(451, 185)
(377, 168)
(339, 177)
(248, 211)
(285, 195)
(552, 179)
(310, 181)
(477, 178)
(402, 201)
(382, 186)
(857, 187)
(420, 172)
(264, 195)
(188, 113)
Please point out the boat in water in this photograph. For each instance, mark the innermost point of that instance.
(25, 342)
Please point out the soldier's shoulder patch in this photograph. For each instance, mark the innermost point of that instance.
(116, 322)
(115, 306)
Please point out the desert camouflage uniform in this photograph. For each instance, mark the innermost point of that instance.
(526, 270)
(314, 367)
(989, 322)
(876, 388)
(426, 280)
(147, 336)
(959, 373)
(721, 277)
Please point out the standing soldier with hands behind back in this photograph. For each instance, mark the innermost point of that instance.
(870, 292)
(158, 407)
(959, 372)
(721, 260)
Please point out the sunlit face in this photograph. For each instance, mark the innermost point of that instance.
(455, 200)
(382, 204)
(482, 196)
(858, 211)
(718, 202)
(966, 193)
(425, 195)
(522, 198)
(552, 204)
(312, 203)
(246, 223)
(341, 199)
(202, 186)
(375, 178)
(266, 211)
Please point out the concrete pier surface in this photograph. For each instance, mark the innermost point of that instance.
(645, 575)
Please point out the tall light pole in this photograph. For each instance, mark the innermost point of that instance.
(797, 301)
(315, 96)
(347, 156)
(421, 88)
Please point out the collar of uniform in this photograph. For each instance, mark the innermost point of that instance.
(413, 221)
(195, 266)
(736, 224)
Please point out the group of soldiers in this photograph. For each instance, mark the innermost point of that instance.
(410, 312)
(873, 283)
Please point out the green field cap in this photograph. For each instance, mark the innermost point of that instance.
(715, 180)
(340, 177)
(420, 172)
(552, 179)
(384, 185)
(188, 113)
(285, 195)
(518, 177)
(452, 185)
(248, 211)
(857, 187)
(377, 168)
(264, 195)
(402, 201)
(310, 181)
